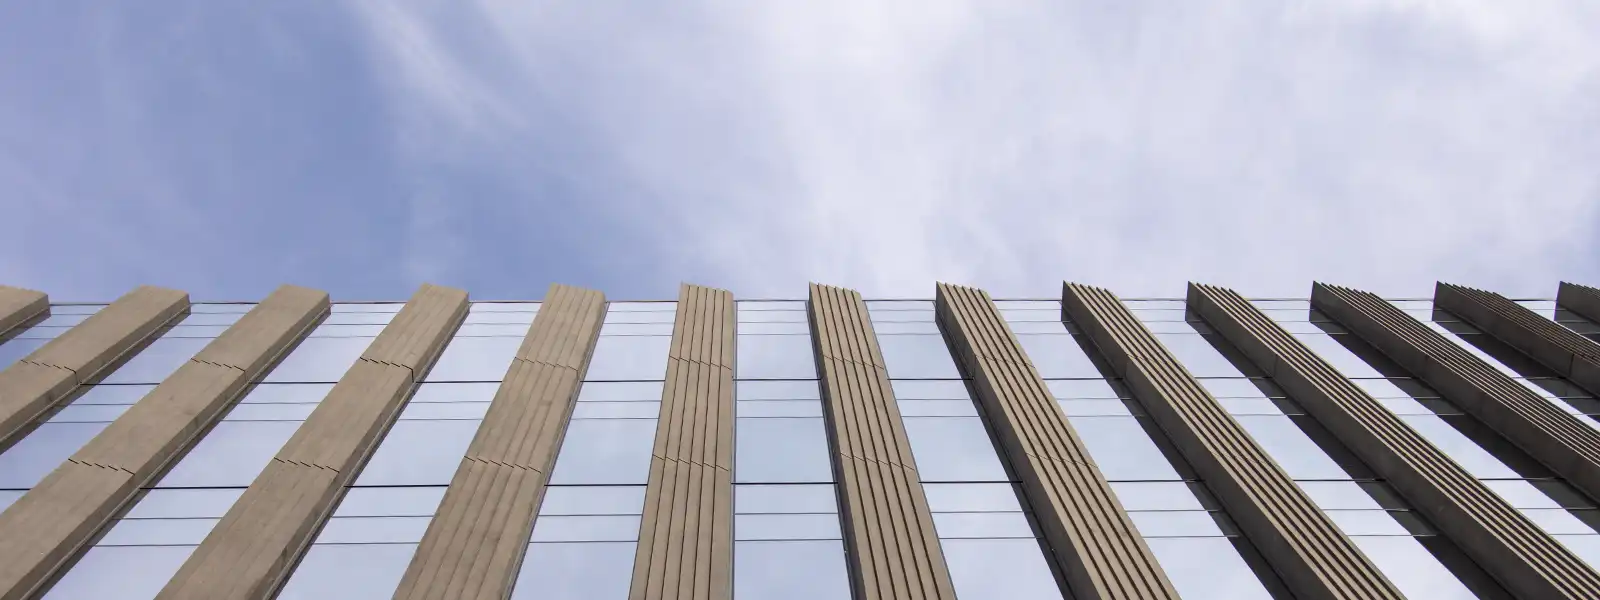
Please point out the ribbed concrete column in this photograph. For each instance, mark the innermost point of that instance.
(248, 554)
(1506, 544)
(1096, 545)
(888, 526)
(476, 542)
(19, 306)
(44, 531)
(1562, 350)
(1580, 299)
(1549, 434)
(686, 535)
(1301, 543)
(33, 386)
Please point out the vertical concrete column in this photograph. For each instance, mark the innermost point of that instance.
(1549, 434)
(476, 542)
(33, 386)
(263, 535)
(1506, 544)
(1096, 544)
(686, 535)
(1301, 543)
(888, 526)
(44, 531)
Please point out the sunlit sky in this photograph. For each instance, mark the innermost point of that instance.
(224, 147)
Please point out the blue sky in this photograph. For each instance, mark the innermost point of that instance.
(223, 147)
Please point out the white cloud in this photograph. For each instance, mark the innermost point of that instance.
(1014, 143)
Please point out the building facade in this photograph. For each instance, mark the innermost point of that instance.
(1341, 446)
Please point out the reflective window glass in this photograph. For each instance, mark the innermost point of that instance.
(629, 358)
(475, 359)
(953, 449)
(1064, 389)
(349, 572)
(1057, 356)
(593, 500)
(982, 525)
(1339, 495)
(786, 527)
(319, 360)
(621, 391)
(576, 571)
(1199, 356)
(1462, 449)
(1207, 568)
(897, 328)
(288, 393)
(158, 532)
(937, 408)
(1175, 523)
(419, 453)
(231, 455)
(1013, 569)
(27, 462)
(15, 349)
(1587, 547)
(1544, 494)
(770, 316)
(658, 317)
(806, 498)
(917, 357)
(385, 501)
(605, 451)
(373, 530)
(622, 410)
(1556, 521)
(1240, 388)
(1123, 449)
(185, 504)
(1366, 522)
(123, 572)
(777, 390)
(1412, 568)
(790, 570)
(1099, 408)
(1291, 448)
(1156, 495)
(1338, 355)
(608, 528)
(781, 450)
(972, 497)
(156, 361)
(775, 357)
(949, 389)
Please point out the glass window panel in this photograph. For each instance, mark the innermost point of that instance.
(489, 307)
(1291, 448)
(319, 360)
(626, 358)
(9, 497)
(1366, 522)
(349, 572)
(1064, 389)
(1156, 495)
(775, 357)
(1177, 327)
(917, 357)
(879, 315)
(779, 408)
(77, 309)
(617, 410)
(89, 413)
(1038, 327)
(1338, 355)
(520, 319)
(158, 532)
(231, 455)
(1587, 547)
(949, 389)
(1251, 406)
(41, 333)
(374, 530)
(45, 448)
(777, 390)
(1175, 523)
(913, 328)
(1057, 356)
(15, 349)
(1466, 452)
(621, 391)
(61, 320)
(455, 392)
(387, 502)
(1556, 521)
(759, 305)
(774, 328)
(627, 317)
(1207, 569)
(184, 504)
(1240, 388)
(419, 453)
(1054, 305)
(1412, 568)
(581, 571)
(270, 412)
(982, 525)
(1339, 495)
(758, 499)
(1199, 356)
(1123, 449)
(475, 359)
(1012, 569)
(971, 497)
(586, 529)
(636, 329)
(781, 450)
(287, 393)
(156, 361)
(605, 451)
(786, 527)
(593, 500)
(389, 307)
(359, 318)
(771, 316)
(126, 573)
(953, 449)
(1096, 408)
(346, 331)
(937, 408)
(642, 306)
(790, 570)
(1538, 494)
(194, 331)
